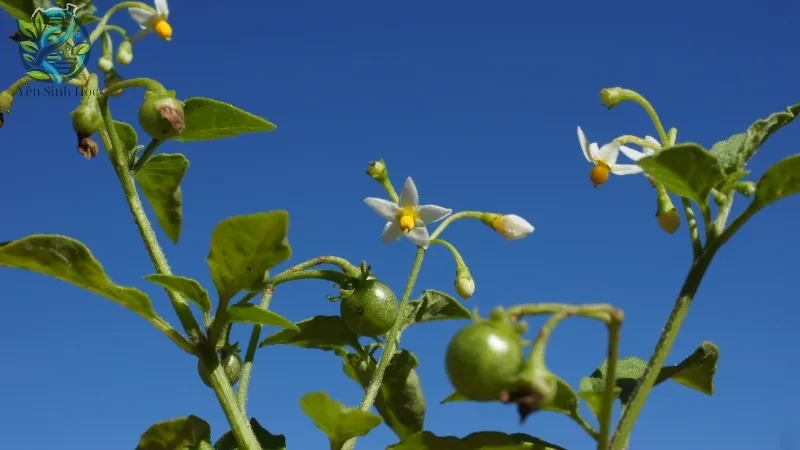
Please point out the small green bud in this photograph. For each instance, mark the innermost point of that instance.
(521, 327)
(719, 198)
(746, 188)
(465, 285)
(377, 171)
(125, 53)
(497, 314)
(611, 97)
(105, 64)
(161, 115)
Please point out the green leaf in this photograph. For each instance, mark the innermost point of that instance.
(320, 332)
(779, 181)
(400, 400)
(69, 260)
(591, 390)
(127, 135)
(565, 401)
(81, 49)
(29, 58)
(208, 119)
(24, 26)
(338, 421)
(186, 287)
(267, 440)
(29, 47)
(484, 440)
(19, 9)
(436, 305)
(38, 75)
(696, 371)
(454, 397)
(243, 248)
(160, 180)
(39, 20)
(727, 152)
(257, 315)
(685, 169)
(185, 433)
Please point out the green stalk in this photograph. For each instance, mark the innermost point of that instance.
(101, 26)
(146, 83)
(148, 151)
(252, 346)
(392, 341)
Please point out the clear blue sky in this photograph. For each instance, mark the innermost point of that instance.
(479, 103)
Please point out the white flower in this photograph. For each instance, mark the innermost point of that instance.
(407, 217)
(150, 21)
(512, 226)
(465, 287)
(646, 151)
(605, 159)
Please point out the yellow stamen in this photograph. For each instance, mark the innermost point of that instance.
(599, 174)
(407, 223)
(162, 29)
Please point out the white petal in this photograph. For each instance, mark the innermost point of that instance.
(584, 145)
(141, 16)
(419, 236)
(386, 209)
(631, 153)
(609, 153)
(625, 169)
(513, 227)
(162, 8)
(653, 141)
(594, 152)
(431, 213)
(409, 196)
(391, 232)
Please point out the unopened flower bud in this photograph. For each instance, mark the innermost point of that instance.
(105, 64)
(125, 52)
(465, 285)
(510, 226)
(746, 188)
(377, 170)
(161, 115)
(611, 97)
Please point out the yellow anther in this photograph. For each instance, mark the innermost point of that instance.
(599, 174)
(407, 223)
(162, 29)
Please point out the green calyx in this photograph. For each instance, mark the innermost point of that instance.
(87, 118)
(161, 115)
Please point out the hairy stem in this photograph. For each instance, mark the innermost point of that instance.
(146, 83)
(694, 231)
(607, 407)
(392, 341)
(252, 346)
(148, 151)
(452, 218)
(101, 26)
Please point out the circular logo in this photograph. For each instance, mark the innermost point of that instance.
(54, 45)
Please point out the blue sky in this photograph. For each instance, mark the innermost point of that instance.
(479, 104)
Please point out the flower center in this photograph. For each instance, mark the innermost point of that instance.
(407, 223)
(162, 28)
(599, 174)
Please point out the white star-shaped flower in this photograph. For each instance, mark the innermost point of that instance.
(646, 151)
(154, 21)
(407, 217)
(605, 159)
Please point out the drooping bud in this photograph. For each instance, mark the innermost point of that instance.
(125, 52)
(161, 115)
(668, 218)
(510, 226)
(105, 64)
(746, 188)
(464, 284)
(377, 171)
(611, 97)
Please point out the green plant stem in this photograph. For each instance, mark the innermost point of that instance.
(607, 407)
(386, 184)
(17, 85)
(107, 45)
(456, 256)
(602, 311)
(694, 232)
(392, 341)
(630, 139)
(342, 263)
(146, 83)
(671, 329)
(148, 151)
(722, 215)
(452, 218)
(119, 30)
(252, 346)
(148, 235)
(101, 26)
(641, 101)
(705, 211)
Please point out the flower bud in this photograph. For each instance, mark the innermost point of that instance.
(669, 220)
(377, 171)
(125, 53)
(465, 285)
(611, 97)
(161, 115)
(105, 64)
(510, 226)
(746, 188)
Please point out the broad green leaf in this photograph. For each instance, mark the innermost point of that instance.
(127, 135)
(208, 119)
(69, 260)
(400, 400)
(728, 151)
(779, 181)
(696, 371)
(257, 315)
(321, 332)
(591, 390)
(484, 440)
(454, 397)
(761, 130)
(436, 305)
(243, 248)
(267, 440)
(185, 433)
(629, 371)
(338, 421)
(186, 287)
(685, 169)
(19, 9)
(160, 180)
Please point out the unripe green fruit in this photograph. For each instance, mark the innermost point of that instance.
(231, 363)
(161, 116)
(371, 309)
(86, 119)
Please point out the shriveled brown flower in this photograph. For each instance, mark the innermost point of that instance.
(87, 147)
